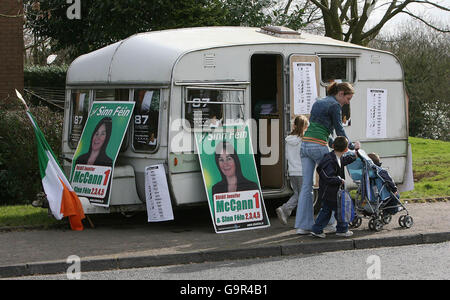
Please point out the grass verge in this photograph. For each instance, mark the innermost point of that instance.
(431, 168)
(25, 215)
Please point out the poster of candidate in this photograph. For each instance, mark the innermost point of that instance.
(231, 180)
(97, 150)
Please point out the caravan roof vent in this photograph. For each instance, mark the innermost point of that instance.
(280, 31)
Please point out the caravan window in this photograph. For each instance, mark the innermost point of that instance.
(79, 102)
(146, 119)
(112, 95)
(338, 69)
(213, 107)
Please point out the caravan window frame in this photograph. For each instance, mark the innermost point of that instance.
(350, 71)
(158, 131)
(71, 113)
(129, 136)
(189, 127)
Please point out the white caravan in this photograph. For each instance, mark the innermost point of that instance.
(234, 73)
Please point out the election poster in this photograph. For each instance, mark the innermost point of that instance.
(231, 180)
(97, 150)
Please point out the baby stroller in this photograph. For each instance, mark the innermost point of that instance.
(374, 199)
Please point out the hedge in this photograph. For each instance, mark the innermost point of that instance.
(19, 169)
(45, 76)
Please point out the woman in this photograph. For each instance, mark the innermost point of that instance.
(228, 163)
(326, 117)
(99, 141)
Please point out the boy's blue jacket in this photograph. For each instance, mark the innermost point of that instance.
(331, 176)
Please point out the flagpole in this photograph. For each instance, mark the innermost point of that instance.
(19, 95)
(63, 200)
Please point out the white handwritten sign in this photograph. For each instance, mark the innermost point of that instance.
(376, 113)
(305, 87)
(159, 206)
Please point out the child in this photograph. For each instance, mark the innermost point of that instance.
(293, 143)
(391, 203)
(331, 177)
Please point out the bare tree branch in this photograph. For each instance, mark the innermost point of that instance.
(433, 4)
(286, 8)
(425, 22)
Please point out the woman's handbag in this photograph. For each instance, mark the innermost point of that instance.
(345, 208)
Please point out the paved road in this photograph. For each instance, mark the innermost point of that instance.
(191, 239)
(415, 262)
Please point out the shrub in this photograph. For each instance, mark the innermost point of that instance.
(44, 76)
(19, 169)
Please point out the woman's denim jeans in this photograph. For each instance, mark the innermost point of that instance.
(311, 154)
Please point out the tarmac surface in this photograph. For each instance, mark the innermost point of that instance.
(120, 243)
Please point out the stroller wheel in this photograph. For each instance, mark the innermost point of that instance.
(375, 225)
(408, 221)
(386, 219)
(357, 221)
(401, 221)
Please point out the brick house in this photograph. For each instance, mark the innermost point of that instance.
(11, 49)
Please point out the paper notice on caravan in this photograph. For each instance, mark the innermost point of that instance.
(305, 87)
(376, 113)
(231, 180)
(159, 206)
(97, 150)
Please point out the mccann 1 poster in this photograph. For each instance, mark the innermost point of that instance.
(231, 180)
(97, 150)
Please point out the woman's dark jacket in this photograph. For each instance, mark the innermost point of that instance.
(331, 176)
(101, 160)
(243, 184)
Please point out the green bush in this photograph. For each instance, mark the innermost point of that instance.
(19, 170)
(45, 76)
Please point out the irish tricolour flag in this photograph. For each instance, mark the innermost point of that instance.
(62, 199)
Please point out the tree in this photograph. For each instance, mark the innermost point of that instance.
(103, 22)
(425, 58)
(346, 20)
(266, 12)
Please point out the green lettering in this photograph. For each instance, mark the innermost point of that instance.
(76, 177)
(250, 203)
(233, 204)
(219, 206)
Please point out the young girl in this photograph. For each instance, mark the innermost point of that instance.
(293, 143)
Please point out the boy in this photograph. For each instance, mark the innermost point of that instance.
(331, 177)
